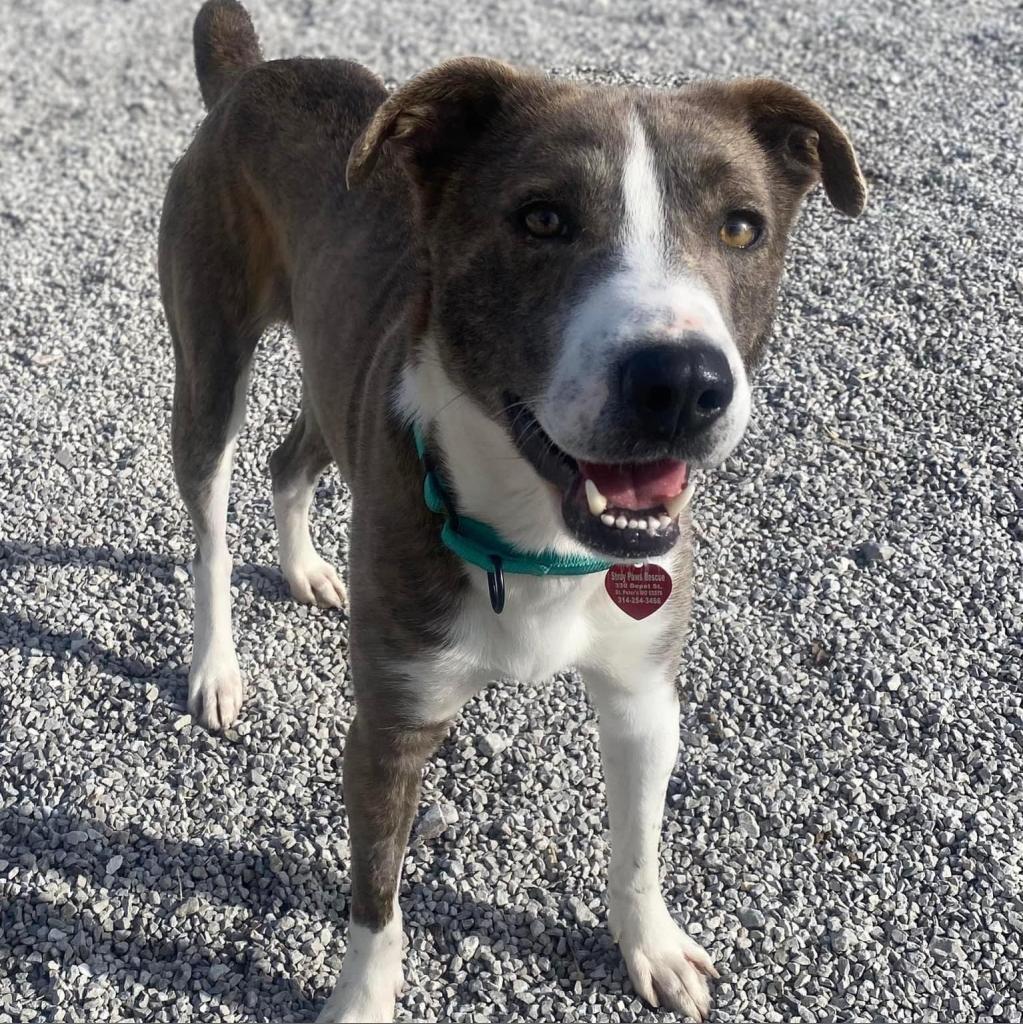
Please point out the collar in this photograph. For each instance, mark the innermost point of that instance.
(481, 545)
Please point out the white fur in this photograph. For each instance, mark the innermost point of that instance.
(215, 689)
(644, 297)
(643, 238)
(311, 579)
(639, 745)
(549, 624)
(371, 975)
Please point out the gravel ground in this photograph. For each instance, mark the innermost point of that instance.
(844, 823)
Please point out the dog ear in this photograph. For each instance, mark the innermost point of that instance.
(428, 120)
(802, 138)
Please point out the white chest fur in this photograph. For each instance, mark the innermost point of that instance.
(549, 624)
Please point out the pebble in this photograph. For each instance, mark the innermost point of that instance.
(748, 824)
(871, 552)
(752, 918)
(582, 913)
(492, 744)
(435, 820)
(189, 907)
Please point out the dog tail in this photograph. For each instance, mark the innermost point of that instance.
(226, 46)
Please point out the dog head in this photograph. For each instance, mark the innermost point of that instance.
(603, 264)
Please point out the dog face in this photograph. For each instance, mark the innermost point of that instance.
(603, 268)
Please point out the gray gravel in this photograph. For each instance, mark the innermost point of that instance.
(845, 822)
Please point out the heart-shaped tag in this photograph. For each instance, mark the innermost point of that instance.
(639, 590)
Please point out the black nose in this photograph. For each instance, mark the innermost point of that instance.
(676, 390)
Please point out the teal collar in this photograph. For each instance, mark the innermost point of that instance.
(481, 545)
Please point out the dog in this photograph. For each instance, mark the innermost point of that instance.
(527, 311)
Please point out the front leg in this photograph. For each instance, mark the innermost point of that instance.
(382, 770)
(639, 738)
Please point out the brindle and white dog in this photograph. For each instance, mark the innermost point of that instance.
(562, 289)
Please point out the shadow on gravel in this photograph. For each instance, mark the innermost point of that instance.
(30, 637)
(110, 557)
(148, 661)
(209, 916)
(148, 922)
(264, 580)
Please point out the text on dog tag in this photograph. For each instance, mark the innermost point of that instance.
(639, 590)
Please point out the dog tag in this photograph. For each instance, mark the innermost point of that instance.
(639, 590)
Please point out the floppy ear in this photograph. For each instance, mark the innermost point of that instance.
(428, 120)
(803, 139)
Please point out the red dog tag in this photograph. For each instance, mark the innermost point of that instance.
(639, 590)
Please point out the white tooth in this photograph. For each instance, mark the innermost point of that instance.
(607, 519)
(633, 524)
(596, 500)
(640, 524)
(652, 527)
(621, 522)
(665, 522)
(677, 505)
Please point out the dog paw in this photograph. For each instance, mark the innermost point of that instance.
(666, 966)
(371, 976)
(215, 691)
(358, 1007)
(367, 998)
(316, 582)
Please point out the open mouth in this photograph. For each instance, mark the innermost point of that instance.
(624, 510)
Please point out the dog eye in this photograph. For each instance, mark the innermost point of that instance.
(740, 231)
(542, 220)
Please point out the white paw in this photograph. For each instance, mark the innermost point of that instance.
(314, 581)
(371, 977)
(358, 1004)
(667, 967)
(215, 690)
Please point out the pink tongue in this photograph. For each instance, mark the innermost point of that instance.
(638, 486)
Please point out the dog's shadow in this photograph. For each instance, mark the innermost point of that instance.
(588, 962)
(162, 931)
(143, 656)
(238, 876)
(265, 580)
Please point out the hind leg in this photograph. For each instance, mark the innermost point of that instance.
(296, 466)
(209, 408)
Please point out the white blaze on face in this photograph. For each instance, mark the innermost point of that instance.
(643, 224)
(644, 298)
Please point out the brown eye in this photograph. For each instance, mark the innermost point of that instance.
(739, 231)
(544, 222)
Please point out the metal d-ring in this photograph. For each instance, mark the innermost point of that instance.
(495, 581)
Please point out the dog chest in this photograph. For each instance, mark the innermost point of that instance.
(549, 625)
